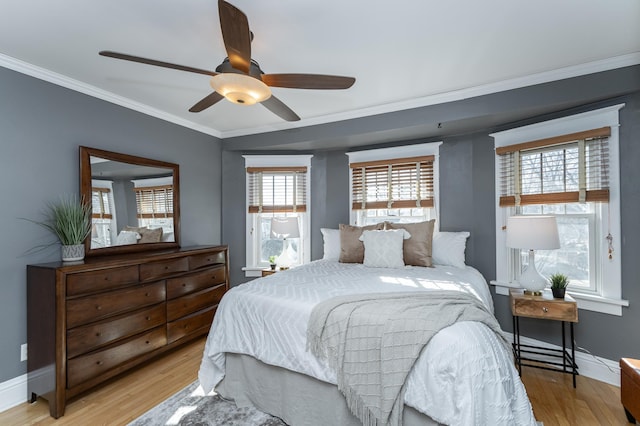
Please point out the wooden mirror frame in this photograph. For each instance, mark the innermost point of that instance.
(86, 189)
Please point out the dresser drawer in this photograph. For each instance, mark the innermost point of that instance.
(85, 367)
(92, 308)
(553, 310)
(199, 322)
(163, 268)
(95, 281)
(87, 338)
(196, 281)
(194, 302)
(199, 260)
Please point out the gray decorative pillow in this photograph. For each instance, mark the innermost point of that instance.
(351, 248)
(151, 236)
(417, 250)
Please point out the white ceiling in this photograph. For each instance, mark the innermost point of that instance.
(403, 54)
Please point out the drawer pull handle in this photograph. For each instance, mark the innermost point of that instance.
(97, 334)
(98, 362)
(184, 284)
(106, 278)
(147, 342)
(545, 309)
(147, 294)
(166, 267)
(98, 307)
(148, 318)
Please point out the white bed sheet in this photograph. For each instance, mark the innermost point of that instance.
(464, 376)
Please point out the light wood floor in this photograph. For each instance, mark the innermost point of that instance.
(554, 400)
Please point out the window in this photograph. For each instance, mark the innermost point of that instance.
(567, 168)
(101, 213)
(154, 203)
(277, 192)
(394, 184)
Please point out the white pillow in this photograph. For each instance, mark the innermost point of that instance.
(383, 249)
(448, 248)
(331, 239)
(127, 237)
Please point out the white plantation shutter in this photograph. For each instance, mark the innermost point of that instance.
(154, 201)
(564, 169)
(277, 189)
(396, 183)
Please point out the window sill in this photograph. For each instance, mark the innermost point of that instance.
(585, 301)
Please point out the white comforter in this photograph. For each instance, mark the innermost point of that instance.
(464, 376)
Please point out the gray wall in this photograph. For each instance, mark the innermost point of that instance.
(467, 202)
(41, 127)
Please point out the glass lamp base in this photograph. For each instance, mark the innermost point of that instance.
(531, 280)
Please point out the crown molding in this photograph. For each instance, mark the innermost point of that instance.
(451, 96)
(456, 95)
(78, 86)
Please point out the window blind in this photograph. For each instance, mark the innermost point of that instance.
(564, 169)
(154, 201)
(100, 203)
(396, 183)
(277, 189)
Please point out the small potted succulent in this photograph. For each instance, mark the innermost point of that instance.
(272, 262)
(559, 283)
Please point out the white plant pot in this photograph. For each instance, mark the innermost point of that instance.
(72, 253)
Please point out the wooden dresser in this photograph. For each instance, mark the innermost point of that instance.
(90, 321)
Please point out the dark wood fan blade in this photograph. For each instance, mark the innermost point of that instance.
(236, 35)
(308, 81)
(206, 102)
(153, 62)
(277, 107)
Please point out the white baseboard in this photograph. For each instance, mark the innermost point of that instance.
(13, 392)
(591, 366)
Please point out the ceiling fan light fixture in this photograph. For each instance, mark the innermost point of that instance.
(240, 89)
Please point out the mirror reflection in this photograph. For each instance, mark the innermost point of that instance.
(132, 204)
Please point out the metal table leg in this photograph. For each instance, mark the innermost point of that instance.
(573, 355)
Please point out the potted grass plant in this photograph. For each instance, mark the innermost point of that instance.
(559, 283)
(69, 219)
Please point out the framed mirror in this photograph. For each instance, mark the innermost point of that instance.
(135, 202)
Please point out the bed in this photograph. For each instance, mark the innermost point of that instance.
(256, 351)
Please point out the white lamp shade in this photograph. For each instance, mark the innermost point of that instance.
(533, 232)
(285, 227)
(240, 89)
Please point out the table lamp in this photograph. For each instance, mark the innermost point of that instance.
(284, 228)
(532, 233)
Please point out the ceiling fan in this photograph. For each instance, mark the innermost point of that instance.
(239, 78)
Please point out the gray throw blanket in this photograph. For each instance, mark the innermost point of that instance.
(373, 341)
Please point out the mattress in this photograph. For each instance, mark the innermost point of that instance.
(464, 376)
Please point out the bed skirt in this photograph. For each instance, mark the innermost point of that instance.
(295, 398)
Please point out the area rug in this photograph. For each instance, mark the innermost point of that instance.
(191, 407)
